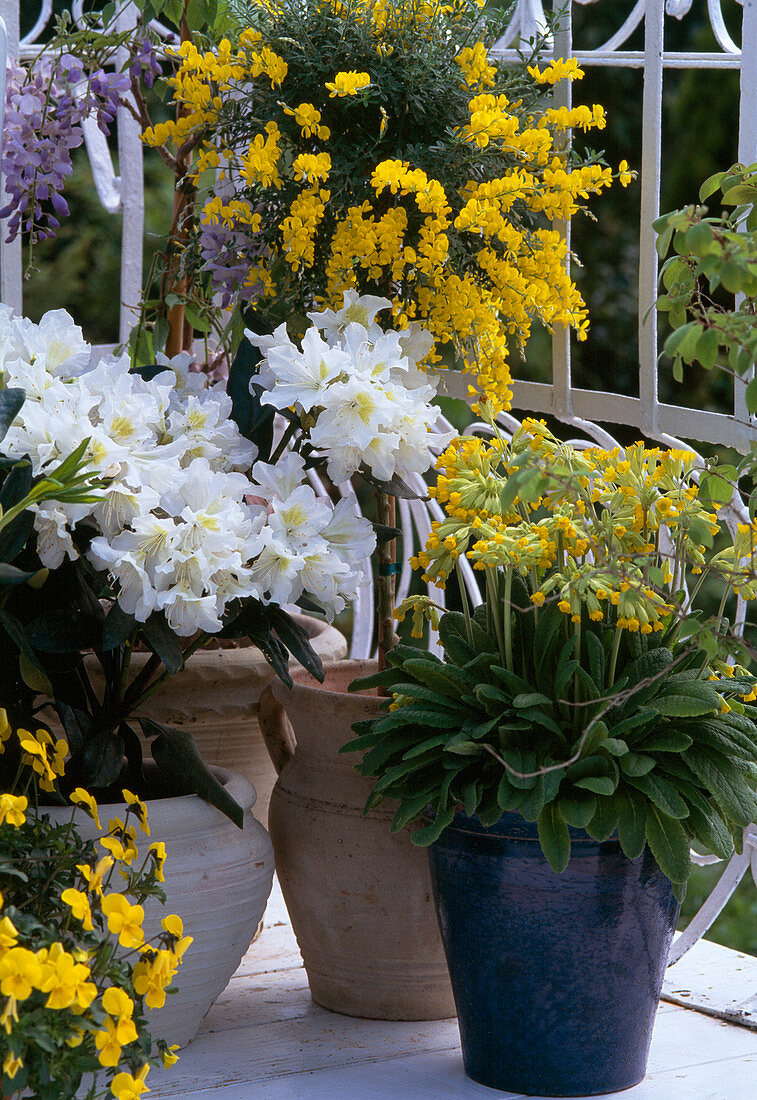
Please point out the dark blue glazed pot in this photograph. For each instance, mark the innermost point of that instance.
(556, 977)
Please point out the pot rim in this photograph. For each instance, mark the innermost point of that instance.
(303, 684)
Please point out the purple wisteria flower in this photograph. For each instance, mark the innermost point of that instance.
(44, 110)
(145, 65)
(226, 255)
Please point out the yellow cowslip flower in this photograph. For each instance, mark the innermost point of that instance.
(20, 972)
(83, 798)
(126, 1087)
(137, 807)
(346, 84)
(78, 903)
(124, 919)
(13, 809)
(11, 1065)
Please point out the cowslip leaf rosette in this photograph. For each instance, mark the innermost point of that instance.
(77, 978)
(587, 691)
(376, 147)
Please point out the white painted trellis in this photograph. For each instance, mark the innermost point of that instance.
(582, 409)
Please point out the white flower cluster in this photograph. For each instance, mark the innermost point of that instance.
(184, 524)
(370, 401)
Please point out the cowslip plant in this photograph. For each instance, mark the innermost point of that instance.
(587, 691)
(77, 976)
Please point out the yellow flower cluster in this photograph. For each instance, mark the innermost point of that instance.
(71, 980)
(610, 532)
(475, 267)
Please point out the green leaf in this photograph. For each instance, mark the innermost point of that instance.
(636, 763)
(710, 186)
(632, 816)
(554, 837)
(429, 833)
(716, 486)
(614, 746)
(666, 740)
(177, 756)
(531, 699)
(118, 628)
(662, 793)
(33, 675)
(686, 700)
(669, 845)
(29, 663)
(605, 820)
(598, 784)
(11, 402)
(578, 809)
(163, 642)
(297, 641)
(10, 575)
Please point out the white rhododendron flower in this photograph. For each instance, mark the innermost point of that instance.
(371, 403)
(186, 521)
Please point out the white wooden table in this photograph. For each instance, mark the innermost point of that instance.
(265, 1038)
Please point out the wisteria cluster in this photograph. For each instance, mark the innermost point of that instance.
(369, 402)
(186, 522)
(45, 107)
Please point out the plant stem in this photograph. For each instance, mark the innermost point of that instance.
(464, 601)
(387, 565)
(507, 615)
(614, 655)
(492, 599)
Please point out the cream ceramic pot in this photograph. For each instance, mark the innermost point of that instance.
(218, 878)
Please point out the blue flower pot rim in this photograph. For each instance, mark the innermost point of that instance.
(519, 829)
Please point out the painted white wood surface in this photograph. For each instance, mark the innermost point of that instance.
(265, 1038)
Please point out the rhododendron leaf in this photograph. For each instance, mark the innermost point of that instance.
(297, 641)
(163, 642)
(11, 401)
(177, 756)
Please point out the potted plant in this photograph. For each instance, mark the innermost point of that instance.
(586, 725)
(163, 554)
(81, 968)
(355, 153)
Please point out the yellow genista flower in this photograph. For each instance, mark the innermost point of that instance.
(475, 66)
(346, 84)
(559, 69)
(169, 1057)
(625, 176)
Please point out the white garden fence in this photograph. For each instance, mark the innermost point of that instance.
(586, 411)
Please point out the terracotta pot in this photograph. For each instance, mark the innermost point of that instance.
(218, 879)
(215, 699)
(359, 896)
